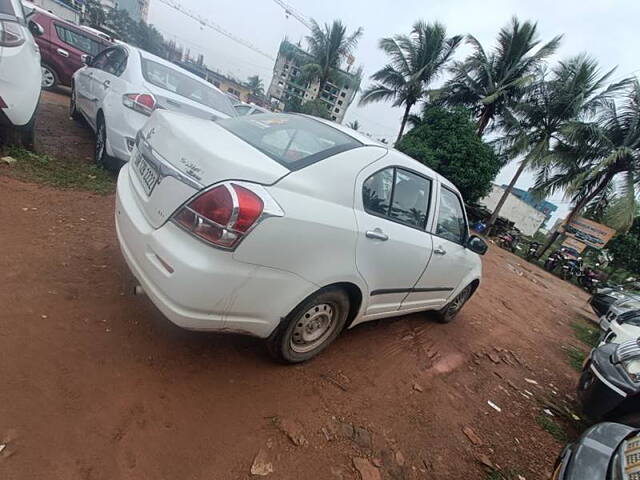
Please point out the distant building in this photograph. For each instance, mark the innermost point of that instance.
(287, 84)
(58, 8)
(524, 216)
(137, 9)
(529, 198)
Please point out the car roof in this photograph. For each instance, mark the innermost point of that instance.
(150, 56)
(419, 167)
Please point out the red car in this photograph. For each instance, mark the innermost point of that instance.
(64, 47)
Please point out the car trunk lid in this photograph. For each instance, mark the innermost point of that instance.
(177, 103)
(178, 155)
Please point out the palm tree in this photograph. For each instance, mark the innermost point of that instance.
(256, 85)
(574, 90)
(354, 125)
(599, 159)
(489, 83)
(328, 45)
(415, 61)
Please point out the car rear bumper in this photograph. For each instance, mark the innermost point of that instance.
(123, 125)
(196, 286)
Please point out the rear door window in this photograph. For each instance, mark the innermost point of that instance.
(294, 141)
(399, 195)
(451, 223)
(115, 62)
(82, 42)
(6, 7)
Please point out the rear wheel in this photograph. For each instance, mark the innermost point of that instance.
(22, 136)
(310, 327)
(631, 419)
(100, 155)
(449, 312)
(49, 77)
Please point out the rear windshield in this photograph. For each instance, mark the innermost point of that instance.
(171, 79)
(6, 7)
(294, 141)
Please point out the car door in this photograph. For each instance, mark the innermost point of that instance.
(95, 78)
(107, 78)
(70, 50)
(451, 260)
(392, 209)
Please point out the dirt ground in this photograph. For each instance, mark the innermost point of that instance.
(96, 384)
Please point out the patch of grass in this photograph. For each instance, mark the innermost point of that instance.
(576, 358)
(586, 333)
(40, 168)
(506, 475)
(551, 427)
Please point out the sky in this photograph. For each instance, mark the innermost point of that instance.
(605, 29)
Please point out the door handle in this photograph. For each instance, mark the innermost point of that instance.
(377, 234)
(106, 84)
(62, 52)
(439, 251)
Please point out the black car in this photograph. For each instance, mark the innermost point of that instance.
(605, 297)
(606, 451)
(609, 387)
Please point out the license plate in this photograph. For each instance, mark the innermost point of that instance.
(147, 174)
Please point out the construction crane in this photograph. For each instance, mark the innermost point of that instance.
(289, 10)
(214, 26)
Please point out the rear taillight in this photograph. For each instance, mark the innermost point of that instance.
(224, 214)
(2, 103)
(11, 34)
(144, 103)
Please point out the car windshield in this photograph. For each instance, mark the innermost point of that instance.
(6, 7)
(171, 79)
(294, 141)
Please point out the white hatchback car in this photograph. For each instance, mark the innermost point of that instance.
(20, 74)
(289, 228)
(119, 88)
(621, 322)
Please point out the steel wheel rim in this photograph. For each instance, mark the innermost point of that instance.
(47, 78)
(100, 141)
(313, 328)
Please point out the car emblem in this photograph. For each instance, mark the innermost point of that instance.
(192, 169)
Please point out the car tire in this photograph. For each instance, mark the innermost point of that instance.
(100, 155)
(23, 136)
(49, 77)
(631, 419)
(310, 327)
(451, 310)
(73, 107)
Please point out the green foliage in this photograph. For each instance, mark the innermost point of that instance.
(316, 107)
(32, 167)
(576, 358)
(446, 142)
(138, 34)
(355, 125)
(555, 430)
(415, 60)
(256, 85)
(586, 333)
(624, 249)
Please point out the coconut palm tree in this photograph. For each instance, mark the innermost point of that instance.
(489, 83)
(328, 46)
(354, 125)
(599, 159)
(256, 85)
(573, 90)
(415, 61)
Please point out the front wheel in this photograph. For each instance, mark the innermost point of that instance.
(310, 327)
(21, 136)
(73, 106)
(49, 78)
(100, 154)
(449, 312)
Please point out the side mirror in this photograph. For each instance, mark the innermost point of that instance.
(477, 245)
(35, 28)
(86, 59)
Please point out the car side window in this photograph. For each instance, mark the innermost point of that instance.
(78, 40)
(451, 223)
(116, 62)
(398, 194)
(411, 195)
(376, 192)
(101, 59)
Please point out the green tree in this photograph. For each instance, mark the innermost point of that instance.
(624, 249)
(490, 83)
(94, 13)
(446, 141)
(316, 107)
(599, 158)
(354, 125)
(415, 61)
(256, 85)
(574, 88)
(328, 45)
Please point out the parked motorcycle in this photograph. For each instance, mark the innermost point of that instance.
(509, 241)
(533, 250)
(555, 259)
(571, 267)
(589, 279)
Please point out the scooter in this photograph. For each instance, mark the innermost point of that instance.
(555, 259)
(532, 250)
(509, 241)
(589, 280)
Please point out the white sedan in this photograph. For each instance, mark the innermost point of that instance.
(119, 88)
(621, 322)
(289, 228)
